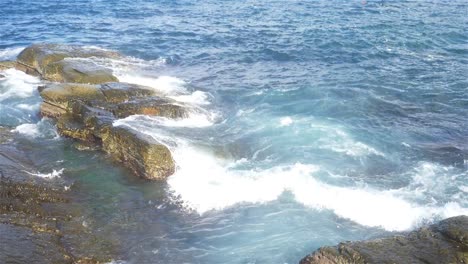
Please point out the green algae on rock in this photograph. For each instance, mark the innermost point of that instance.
(444, 242)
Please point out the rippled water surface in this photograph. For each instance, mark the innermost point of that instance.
(314, 121)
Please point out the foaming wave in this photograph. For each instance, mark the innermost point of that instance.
(53, 174)
(195, 98)
(193, 120)
(17, 84)
(10, 53)
(216, 187)
(41, 129)
(163, 84)
(141, 72)
(205, 182)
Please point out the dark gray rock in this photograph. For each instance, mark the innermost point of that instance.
(445, 242)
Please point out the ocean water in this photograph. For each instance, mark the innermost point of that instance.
(312, 122)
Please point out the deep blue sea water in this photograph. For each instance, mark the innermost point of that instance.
(315, 122)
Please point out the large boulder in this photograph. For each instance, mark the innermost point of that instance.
(141, 153)
(55, 62)
(445, 242)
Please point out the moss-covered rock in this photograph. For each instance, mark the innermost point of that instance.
(141, 153)
(70, 126)
(445, 242)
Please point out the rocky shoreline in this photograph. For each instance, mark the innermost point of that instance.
(38, 220)
(84, 99)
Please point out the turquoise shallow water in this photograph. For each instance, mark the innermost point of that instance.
(317, 121)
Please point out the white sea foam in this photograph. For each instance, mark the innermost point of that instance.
(243, 112)
(204, 182)
(286, 121)
(41, 129)
(365, 206)
(29, 107)
(17, 84)
(53, 174)
(219, 185)
(31, 130)
(163, 84)
(463, 188)
(193, 120)
(195, 98)
(337, 140)
(10, 53)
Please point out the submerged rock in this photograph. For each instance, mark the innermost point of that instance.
(59, 63)
(38, 221)
(445, 242)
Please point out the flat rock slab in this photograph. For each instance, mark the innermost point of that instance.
(77, 71)
(54, 62)
(445, 242)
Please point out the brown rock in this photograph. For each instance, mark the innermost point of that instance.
(141, 153)
(50, 62)
(76, 71)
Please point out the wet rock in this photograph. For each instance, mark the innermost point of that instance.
(87, 112)
(76, 71)
(141, 153)
(154, 107)
(38, 220)
(5, 65)
(116, 92)
(60, 95)
(50, 62)
(445, 242)
(70, 126)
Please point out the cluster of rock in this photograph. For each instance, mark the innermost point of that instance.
(85, 98)
(445, 242)
(39, 222)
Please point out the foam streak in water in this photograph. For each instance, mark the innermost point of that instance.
(53, 174)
